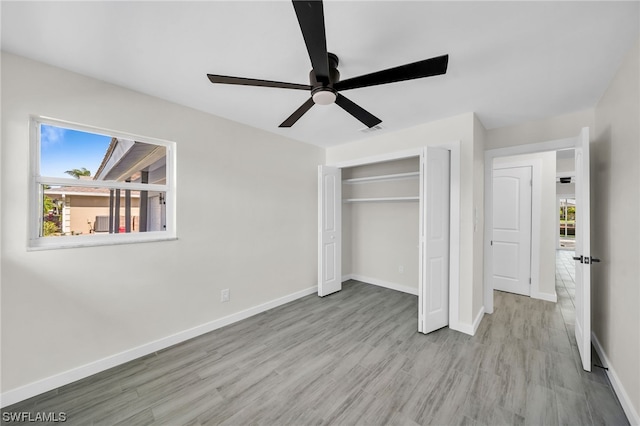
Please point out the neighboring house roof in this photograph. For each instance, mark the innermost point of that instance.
(107, 156)
(125, 158)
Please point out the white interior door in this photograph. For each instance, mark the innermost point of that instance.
(583, 251)
(329, 230)
(511, 233)
(433, 294)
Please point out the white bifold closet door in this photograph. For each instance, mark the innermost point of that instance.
(433, 292)
(329, 230)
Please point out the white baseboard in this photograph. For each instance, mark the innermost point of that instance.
(549, 297)
(21, 393)
(621, 393)
(478, 320)
(469, 329)
(381, 283)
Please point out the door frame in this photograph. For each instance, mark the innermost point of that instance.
(489, 155)
(454, 208)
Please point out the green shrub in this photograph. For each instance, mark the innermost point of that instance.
(49, 228)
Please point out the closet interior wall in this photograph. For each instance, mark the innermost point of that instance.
(380, 223)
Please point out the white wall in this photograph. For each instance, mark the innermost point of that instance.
(246, 220)
(565, 166)
(615, 234)
(458, 128)
(479, 141)
(560, 127)
(547, 222)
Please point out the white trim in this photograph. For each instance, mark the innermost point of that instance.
(478, 319)
(381, 283)
(469, 329)
(454, 232)
(627, 405)
(21, 393)
(557, 221)
(489, 155)
(397, 155)
(101, 131)
(88, 194)
(133, 186)
(531, 148)
(97, 240)
(421, 242)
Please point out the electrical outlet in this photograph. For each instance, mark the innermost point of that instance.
(401, 269)
(224, 295)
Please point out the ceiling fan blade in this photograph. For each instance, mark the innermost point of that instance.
(311, 19)
(426, 68)
(223, 79)
(364, 116)
(297, 114)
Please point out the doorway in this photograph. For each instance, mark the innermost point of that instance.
(582, 258)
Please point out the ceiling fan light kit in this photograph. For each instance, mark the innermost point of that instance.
(324, 78)
(324, 96)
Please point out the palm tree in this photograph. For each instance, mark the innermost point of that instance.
(76, 173)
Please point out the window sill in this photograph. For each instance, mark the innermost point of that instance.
(55, 243)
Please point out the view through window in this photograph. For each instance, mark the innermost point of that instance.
(91, 184)
(567, 223)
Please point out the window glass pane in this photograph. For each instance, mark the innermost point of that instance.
(70, 153)
(87, 210)
(89, 156)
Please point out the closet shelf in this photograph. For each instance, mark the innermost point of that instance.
(371, 200)
(383, 177)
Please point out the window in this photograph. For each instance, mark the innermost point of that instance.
(97, 187)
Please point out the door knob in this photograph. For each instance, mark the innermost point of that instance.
(578, 258)
(594, 260)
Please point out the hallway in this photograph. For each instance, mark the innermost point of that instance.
(566, 286)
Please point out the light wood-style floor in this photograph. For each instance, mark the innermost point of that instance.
(355, 358)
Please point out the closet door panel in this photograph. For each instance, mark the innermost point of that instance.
(434, 278)
(329, 230)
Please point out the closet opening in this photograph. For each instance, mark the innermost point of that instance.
(386, 222)
(381, 224)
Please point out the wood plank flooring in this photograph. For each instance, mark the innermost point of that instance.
(355, 358)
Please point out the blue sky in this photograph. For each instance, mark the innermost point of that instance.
(65, 149)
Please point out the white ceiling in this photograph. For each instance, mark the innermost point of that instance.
(509, 62)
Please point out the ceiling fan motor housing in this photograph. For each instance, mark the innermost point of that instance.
(323, 93)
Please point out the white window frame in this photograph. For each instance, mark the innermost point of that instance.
(36, 242)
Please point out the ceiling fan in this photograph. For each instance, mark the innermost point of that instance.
(324, 79)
